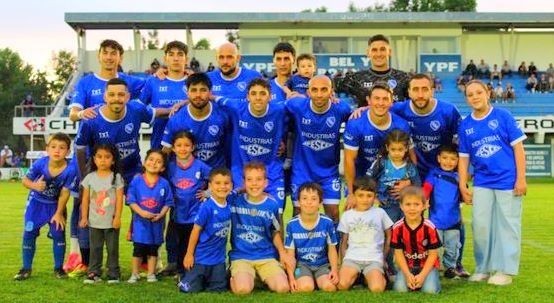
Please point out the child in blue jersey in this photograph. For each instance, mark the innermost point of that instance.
(256, 240)
(298, 83)
(441, 189)
(205, 258)
(492, 141)
(311, 238)
(49, 180)
(390, 167)
(187, 176)
(150, 197)
(101, 208)
(366, 232)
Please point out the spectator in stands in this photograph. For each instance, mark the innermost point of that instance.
(522, 69)
(506, 69)
(483, 70)
(544, 85)
(550, 71)
(509, 93)
(195, 65)
(6, 157)
(471, 69)
(498, 92)
(490, 89)
(531, 83)
(532, 69)
(28, 106)
(154, 66)
(438, 83)
(411, 73)
(19, 160)
(462, 80)
(495, 73)
(551, 82)
(210, 68)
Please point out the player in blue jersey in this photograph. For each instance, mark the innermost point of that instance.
(187, 177)
(230, 80)
(256, 240)
(316, 149)
(117, 122)
(492, 141)
(441, 189)
(283, 59)
(205, 258)
(311, 239)
(364, 136)
(163, 94)
(298, 83)
(49, 180)
(258, 135)
(150, 197)
(205, 120)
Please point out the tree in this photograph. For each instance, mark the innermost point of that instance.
(202, 44)
(321, 9)
(64, 63)
(433, 5)
(460, 5)
(233, 37)
(377, 7)
(153, 42)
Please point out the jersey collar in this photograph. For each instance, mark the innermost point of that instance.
(201, 119)
(231, 79)
(427, 114)
(379, 127)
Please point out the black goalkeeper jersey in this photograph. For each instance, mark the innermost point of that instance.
(357, 84)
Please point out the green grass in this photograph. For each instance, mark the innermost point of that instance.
(533, 284)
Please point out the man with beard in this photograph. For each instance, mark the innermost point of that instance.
(357, 84)
(365, 134)
(230, 80)
(283, 59)
(204, 119)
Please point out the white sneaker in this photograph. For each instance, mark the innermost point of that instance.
(478, 277)
(134, 278)
(151, 278)
(500, 279)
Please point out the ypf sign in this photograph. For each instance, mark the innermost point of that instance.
(442, 65)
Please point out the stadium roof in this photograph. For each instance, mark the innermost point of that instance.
(467, 20)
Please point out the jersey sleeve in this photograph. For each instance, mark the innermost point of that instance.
(396, 238)
(289, 240)
(275, 225)
(351, 136)
(229, 103)
(146, 112)
(71, 178)
(413, 175)
(169, 131)
(86, 181)
(146, 93)
(35, 171)
(385, 220)
(463, 148)
(79, 97)
(332, 238)
(84, 136)
(434, 241)
(512, 129)
(345, 110)
(132, 193)
(203, 215)
(343, 225)
(135, 86)
(168, 197)
(119, 181)
(205, 171)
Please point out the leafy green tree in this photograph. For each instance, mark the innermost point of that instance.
(233, 37)
(321, 9)
(377, 7)
(64, 63)
(202, 44)
(152, 42)
(433, 5)
(460, 5)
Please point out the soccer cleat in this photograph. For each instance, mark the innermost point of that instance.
(23, 274)
(478, 277)
(60, 273)
(151, 278)
(500, 279)
(133, 279)
(451, 273)
(169, 270)
(113, 280)
(462, 273)
(92, 278)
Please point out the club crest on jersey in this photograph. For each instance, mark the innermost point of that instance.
(241, 86)
(129, 128)
(487, 150)
(280, 193)
(336, 185)
(184, 89)
(435, 125)
(392, 83)
(197, 175)
(213, 130)
(162, 192)
(424, 242)
(330, 121)
(268, 126)
(493, 124)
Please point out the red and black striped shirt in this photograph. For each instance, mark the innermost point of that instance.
(415, 243)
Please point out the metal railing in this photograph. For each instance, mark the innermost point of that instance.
(33, 111)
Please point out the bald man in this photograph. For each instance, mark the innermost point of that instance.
(229, 79)
(317, 146)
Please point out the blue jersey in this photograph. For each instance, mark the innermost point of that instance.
(317, 145)
(444, 198)
(89, 91)
(277, 92)
(256, 138)
(162, 94)
(186, 180)
(151, 198)
(386, 173)
(488, 142)
(310, 245)
(209, 133)
(215, 220)
(362, 135)
(123, 133)
(54, 184)
(297, 83)
(252, 228)
(429, 131)
(235, 88)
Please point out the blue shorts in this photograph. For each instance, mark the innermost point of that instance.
(38, 214)
(331, 190)
(204, 277)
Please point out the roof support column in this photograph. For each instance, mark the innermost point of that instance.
(137, 38)
(82, 50)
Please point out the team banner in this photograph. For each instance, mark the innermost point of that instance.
(47, 125)
(442, 65)
(325, 63)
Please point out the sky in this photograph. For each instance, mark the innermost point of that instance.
(36, 28)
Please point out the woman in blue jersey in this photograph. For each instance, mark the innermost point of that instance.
(491, 140)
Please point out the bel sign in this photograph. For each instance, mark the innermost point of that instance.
(442, 65)
(325, 63)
